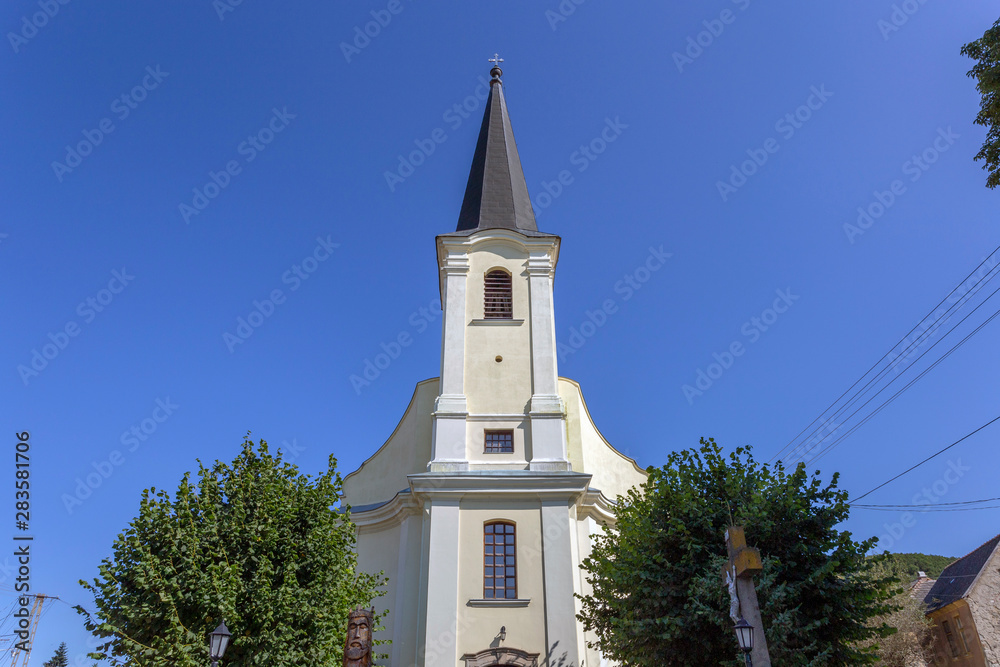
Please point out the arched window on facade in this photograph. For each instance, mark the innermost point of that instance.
(500, 561)
(498, 304)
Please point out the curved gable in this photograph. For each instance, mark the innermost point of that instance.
(406, 452)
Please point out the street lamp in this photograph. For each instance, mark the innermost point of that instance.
(218, 643)
(744, 635)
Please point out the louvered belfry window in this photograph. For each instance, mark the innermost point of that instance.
(498, 302)
(500, 564)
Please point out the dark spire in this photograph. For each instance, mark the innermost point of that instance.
(496, 195)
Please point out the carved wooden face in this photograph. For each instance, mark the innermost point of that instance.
(357, 653)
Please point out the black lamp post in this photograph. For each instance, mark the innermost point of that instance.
(218, 643)
(744, 635)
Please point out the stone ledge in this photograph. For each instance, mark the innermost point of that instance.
(499, 602)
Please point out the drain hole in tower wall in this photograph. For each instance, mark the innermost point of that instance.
(499, 358)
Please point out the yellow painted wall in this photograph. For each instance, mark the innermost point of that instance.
(525, 625)
(503, 387)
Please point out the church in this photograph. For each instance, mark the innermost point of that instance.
(480, 506)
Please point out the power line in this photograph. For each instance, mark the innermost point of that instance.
(871, 383)
(955, 509)
(934, 455)
(911, 382)
(971, 291)
(963, 502)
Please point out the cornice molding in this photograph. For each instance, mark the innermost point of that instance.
(409, 502)
(496, 416)
(544, 246)
(455, 265)
(402, 505)
(540, 264)
(570, 486)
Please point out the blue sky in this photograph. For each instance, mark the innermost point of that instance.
(279, 140)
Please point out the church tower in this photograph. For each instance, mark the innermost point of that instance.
(481, 505)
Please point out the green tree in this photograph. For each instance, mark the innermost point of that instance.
(986, 52)
(59, 659)
(658, 597)
(255, 543)
(911, 642)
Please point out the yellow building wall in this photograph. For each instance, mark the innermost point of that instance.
(480, 625)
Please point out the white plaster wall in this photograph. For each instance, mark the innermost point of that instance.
(378, 552)
(587, 527)
(407, 451)
(403, 604)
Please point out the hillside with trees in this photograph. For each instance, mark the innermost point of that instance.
(908, 565)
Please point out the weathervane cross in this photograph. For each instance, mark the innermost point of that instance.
(496, 60)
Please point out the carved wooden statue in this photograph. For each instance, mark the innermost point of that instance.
(358, 647)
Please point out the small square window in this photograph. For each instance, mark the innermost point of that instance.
(499, 442)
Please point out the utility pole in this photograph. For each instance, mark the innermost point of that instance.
(745, 562)
(36, 614)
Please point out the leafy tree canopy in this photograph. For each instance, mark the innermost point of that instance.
(59, 659)
(254, 543)
(986, 52)
(658, 597)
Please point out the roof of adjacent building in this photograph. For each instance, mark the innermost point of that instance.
(496, 195)
(956, 579)
(921, 587)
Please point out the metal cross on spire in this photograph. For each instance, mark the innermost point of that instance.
(496, 60)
